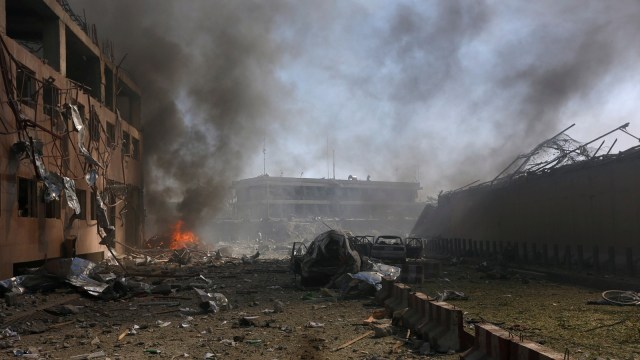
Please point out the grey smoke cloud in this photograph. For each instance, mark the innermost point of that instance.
(447, 91)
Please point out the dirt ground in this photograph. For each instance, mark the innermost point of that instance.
(553, 314)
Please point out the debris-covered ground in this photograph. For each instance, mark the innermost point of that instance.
(266, 316)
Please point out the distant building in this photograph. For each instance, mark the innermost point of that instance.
(283, 197)
(69, 118)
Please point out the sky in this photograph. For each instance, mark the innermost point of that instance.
(441, 92)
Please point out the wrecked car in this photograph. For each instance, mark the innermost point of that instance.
(326, 258)
(362, 244)
(390, 248)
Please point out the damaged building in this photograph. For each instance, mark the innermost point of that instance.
(299, 208)
(70, 131)
(286, 197)
(563, 204)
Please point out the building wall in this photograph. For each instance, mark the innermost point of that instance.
(28, 239)
(587, 215)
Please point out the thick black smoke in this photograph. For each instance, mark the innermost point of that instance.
(447, 92)
(207, 73)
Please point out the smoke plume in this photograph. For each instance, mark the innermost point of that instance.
(442, 92)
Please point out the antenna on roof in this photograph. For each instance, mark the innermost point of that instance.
(327, 156)
(264, 156)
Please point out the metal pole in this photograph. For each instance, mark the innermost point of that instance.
(598, 149)
(612, 145)
(334, 164)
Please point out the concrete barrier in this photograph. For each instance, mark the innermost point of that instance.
(529, 350)
(399, 299)
(383, 294)
(444, 328)
(491, 343)
(494, 343)
(414, 314)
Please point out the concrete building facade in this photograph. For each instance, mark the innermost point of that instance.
(71, 139)
(284, 197)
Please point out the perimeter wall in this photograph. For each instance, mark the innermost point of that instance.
(584, 215)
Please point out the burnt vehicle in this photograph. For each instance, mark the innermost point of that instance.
(390, 248)
(415, 247)
(362, 244)
(326, 258)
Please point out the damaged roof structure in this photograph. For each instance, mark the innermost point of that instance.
(70, 128)
(564, 203)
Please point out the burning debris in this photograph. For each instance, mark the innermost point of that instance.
(182, 238)
(179, 238)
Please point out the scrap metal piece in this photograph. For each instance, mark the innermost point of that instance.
(13, 284)
(81, 128)
(101, 212)
(75, 271)
(70, 193)
(55, 183)
(88, 158)
(91, 177)
(212, 302)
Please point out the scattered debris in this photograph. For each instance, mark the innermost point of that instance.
(250, 259)
(95, 355)
(452, 295)
(248, 321)
(351, 342)
(212, 302)
(181, 256)
(621, 297)
(314, 324)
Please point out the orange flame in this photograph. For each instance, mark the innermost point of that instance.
(181, 239)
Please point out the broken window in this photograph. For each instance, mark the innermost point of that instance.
(135, 150)
(93, 205)
(126, 140)
(111, 133)
(111, 210)
(94, 125)
(64, 148)
(82, 199)
(26, 86)
(128, 103)
(51, 208)
(108, 87)
(50, 98)
(36, 28)
(27, 198)
(83, 65)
